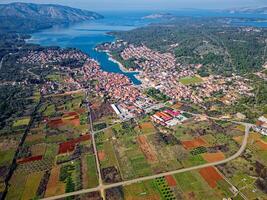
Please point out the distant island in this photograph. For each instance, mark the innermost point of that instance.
(159, 16)
(262, 10)
(29, 17)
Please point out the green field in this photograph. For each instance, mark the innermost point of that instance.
(49, 110)
(110, 157)
(31, 185)
(188, 185)
(21, 122)
(92, 173)
(194, 160)
(264, 138)
(140, 166)
(190, 80)
(193, 182)
(6, 157)
(143, 190)
(17, 186)
(54, 77)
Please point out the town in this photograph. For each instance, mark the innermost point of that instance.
(161, 71)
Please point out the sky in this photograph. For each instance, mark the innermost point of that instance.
(99, 5)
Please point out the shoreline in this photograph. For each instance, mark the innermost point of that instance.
(122, 68)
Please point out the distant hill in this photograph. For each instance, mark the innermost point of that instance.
(29, 17)
(262, 10)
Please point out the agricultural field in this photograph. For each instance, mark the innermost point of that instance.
(102, 114)
(15, 116)
(190, 80)
(140, 148)
(22, 122)
(247, 172)
(187, 185)
(57, 156)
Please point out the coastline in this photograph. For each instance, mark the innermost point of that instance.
(122, 68)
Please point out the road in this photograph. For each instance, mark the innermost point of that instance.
(123, 183)
(13, 165)
(3, 58)
(33, 74)
(1, 63)
(100, 181)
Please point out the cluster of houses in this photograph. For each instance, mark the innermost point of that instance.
(110, 46)
(148, 59)
(160, 70)
(130, 99)
(261, 126)
(52, 56)
(168, 118)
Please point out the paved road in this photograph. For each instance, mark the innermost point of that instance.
(102, 187)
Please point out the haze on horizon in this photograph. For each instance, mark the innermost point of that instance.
(99, 5)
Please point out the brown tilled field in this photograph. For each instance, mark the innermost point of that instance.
(210, 175)
(262, 145)
(101, 155)
(171, 180)
(146, 149)
(213, 157)
(191, 144)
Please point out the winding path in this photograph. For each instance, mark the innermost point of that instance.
(103, 187)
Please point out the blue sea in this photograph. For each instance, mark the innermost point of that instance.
(85, 36)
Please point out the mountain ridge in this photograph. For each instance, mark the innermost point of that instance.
(29, 17)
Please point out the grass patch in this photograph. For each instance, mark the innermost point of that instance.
(22, 122)
(192, 182)
(190, 80)
(110, 157)
(54, 77)
(50, 110)
(142, 190)
(140, 166)
(17, 186)
(51, 151)
(56, 138)
(6, 157)
(194, 160)
(31, 186)
(147, 128)
(264, 138)
(92, 173)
